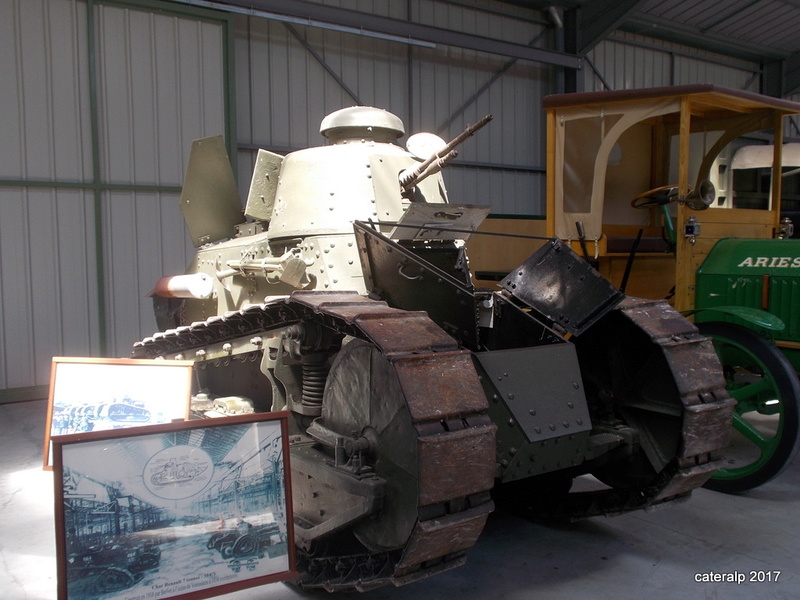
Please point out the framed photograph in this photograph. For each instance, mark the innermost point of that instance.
(187, 510)
(95, 394)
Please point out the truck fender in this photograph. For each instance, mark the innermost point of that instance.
(755, 316)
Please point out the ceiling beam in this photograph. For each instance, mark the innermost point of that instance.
(318, 14)
(691, 36)
(600, 18)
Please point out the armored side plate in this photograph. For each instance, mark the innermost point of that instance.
(562, 287)
(261, 198)
(209, 199)
(436, 221)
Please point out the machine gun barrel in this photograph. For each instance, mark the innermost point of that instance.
(437, 160)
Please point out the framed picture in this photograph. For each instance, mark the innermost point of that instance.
(185, 510)
(94, 394)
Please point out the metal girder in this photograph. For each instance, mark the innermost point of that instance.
(599, 18)
(405, 29)
(691, 36)
(780, 78)
(791, 74)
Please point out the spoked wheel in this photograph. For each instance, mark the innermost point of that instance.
(765, 422)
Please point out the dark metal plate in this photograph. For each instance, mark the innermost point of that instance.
(563, 287)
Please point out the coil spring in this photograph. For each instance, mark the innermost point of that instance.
(315, 373)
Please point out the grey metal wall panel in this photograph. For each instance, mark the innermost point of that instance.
(160, 86)
(443, 89)
(144, 238)
(289, 86)
(508, 193)
(43, 128)
(160, 81)
(494, 20)
(48, 281)
(630, 61)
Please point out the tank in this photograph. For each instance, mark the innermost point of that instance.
(418, 402)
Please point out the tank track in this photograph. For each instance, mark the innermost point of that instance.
(452, 516)
(706, 407)
(449, 417)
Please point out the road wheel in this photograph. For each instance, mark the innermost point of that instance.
(765, 421)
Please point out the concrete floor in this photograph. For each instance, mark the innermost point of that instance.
(642, 555)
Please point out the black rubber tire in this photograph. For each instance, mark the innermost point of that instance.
(761, 357)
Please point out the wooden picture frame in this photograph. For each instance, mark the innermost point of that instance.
(184, 510)
(92, 394)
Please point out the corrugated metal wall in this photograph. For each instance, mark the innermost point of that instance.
(105, 100)
(160, 85)
(629, 61)
(506, 160)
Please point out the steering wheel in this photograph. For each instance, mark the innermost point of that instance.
(656, 197)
